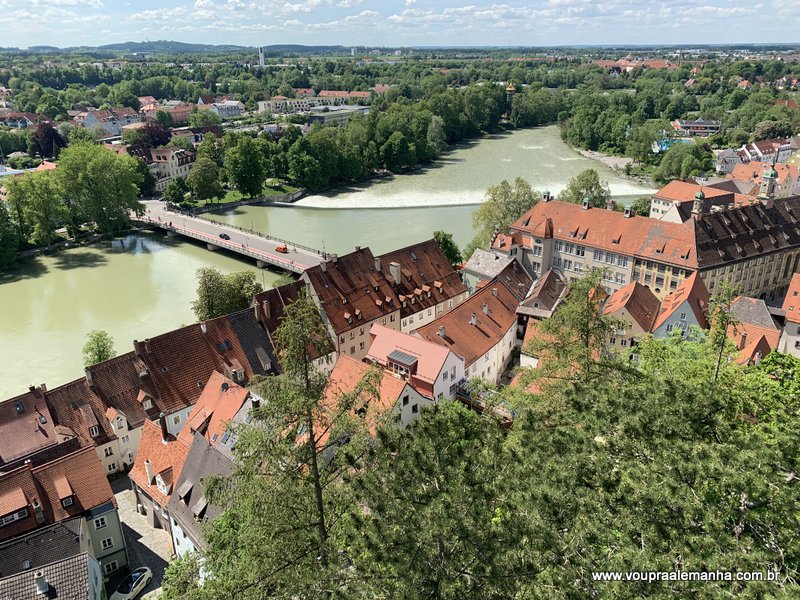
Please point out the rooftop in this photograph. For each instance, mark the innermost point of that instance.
(791, 304)
(429, 357)
(220, 401)
(166, 459)
(68, 579)
(639, 302)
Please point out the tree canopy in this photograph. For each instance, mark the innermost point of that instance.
(219, 294)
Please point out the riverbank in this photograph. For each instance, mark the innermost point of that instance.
(617, 164)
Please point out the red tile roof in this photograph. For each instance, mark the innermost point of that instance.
(672, 243)
(78, 408)
(344, 379)
(26, 426)
(468, 341)
(791, 304)
(332, 94)
(787, 103)
(754, 171)
(166, 458)
(693, 291)
(639, 302)
(683, 191)
(220, 401)
(430, 357)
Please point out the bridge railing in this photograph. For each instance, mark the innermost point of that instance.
(288, 265)
(265, 236)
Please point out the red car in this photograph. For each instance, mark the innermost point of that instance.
(282, 249)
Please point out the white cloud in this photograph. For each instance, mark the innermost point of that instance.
(348, 3)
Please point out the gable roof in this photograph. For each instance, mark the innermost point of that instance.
(791, 304)
(121, 383)
(430, 357)
(358, 287)
(68, 577)
(653, 239)
(220, 401)
(473, 341)
(754, 171)
(546, 293)
(692, 291)
(641, 304)
(41, 547)
(486, 264)
(752, 311)
(188, 504)
(684, 191)
(166, 459)
(26, 426)
(78, 408)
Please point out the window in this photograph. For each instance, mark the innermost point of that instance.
(405, 400)
(391, 319)
(21, 514)
(622, 261)
(341, 338)
(108, 452)
(612, 341)
(430, 312)
(537, 250)
(100, 522)
(598, 255)
(559, 246)
(112, 467)
(361, 346)
(623, 343)
(352, 349)
(580, 250)
(556, 262)
(568, 265)
(486, 357)
(797, 344)
(449, 304)
(147, 404)
(453, 373)
(176, 420)
(126, 439)
(670, 327)
(94, 431)
(445, 375)
(119, 422)
(110, 567)
(67, 502)
(683, 316)
(353, 335)
(107, 544)
(415, 408)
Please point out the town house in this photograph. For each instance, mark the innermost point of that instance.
(790, 339)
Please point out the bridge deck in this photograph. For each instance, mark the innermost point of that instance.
(253, 244)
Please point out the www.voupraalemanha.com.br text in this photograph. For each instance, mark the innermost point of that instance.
(652, 576)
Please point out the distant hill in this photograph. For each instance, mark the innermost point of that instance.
(168, 46)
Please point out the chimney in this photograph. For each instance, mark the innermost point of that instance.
(255, 401)
(43, 387)
(473, 319)
(42, 585)
(610, 204)
(148, 469)
(394, 270)
(137, 348)
(378, 264)
(89, 377)
(203, 328)
(334, 258)
(586, 204)
(494, 292)
(546, 197)
(485, 308)
(441, 331)
(521, 288)
(31, 388)
(358, 248)
(162, 421)
(324, 266)
(628, 212)
(267, 310)
(257, 311)
(147, 345)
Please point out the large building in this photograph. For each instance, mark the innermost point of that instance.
(754, 246)
(790, 340)
(403, 290)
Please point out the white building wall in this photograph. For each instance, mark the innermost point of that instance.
(181, 543)
(454, 368)
(176, 420)
(790, 340)
(409, 406)
(676, 322)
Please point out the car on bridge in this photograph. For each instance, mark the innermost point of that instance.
(282, 249)
(224, 236)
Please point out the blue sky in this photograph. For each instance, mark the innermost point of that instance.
(398, 22)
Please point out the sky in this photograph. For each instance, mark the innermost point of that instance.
(396, 23)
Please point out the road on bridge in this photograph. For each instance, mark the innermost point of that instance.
(247, 243)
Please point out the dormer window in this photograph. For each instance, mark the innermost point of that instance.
(94, 431)
(147, 405)
(67, 502)
(119, 422)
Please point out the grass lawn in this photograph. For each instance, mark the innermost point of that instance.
(269, 190)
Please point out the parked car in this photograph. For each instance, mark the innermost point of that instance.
(282, 249)
(224, 236)
(133, 584)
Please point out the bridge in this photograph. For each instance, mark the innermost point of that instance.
(252, 244)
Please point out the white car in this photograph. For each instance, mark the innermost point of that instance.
(133, 584)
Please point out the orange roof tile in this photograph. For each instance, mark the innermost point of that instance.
(166, 458)
(754, 171)
(791, 304)
(693, 291)
(641, 304)
(220, 401)
(683, 191)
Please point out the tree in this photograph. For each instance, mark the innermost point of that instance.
(283, 487)
(682, 161)
(46, 141)
(219, 294)
(433, 514)
(50, 106)
(8, 239)
(436, 135)
(448, 247)
(176, 191)
(147, 187)
(203, 118)
(99, 347)
(722, 320)
(153, 134)
(767, 130)
(165, 118)
(41, 197)
(641, 206)
(504, 203)
(203, 180)
(245, 167)
(99, 186)
(397, 153)
(586, 185)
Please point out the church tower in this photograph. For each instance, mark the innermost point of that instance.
(769, 181)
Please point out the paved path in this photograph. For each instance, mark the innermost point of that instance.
(261, 247)
(147, 547)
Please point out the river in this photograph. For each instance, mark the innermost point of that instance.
(141, 285)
